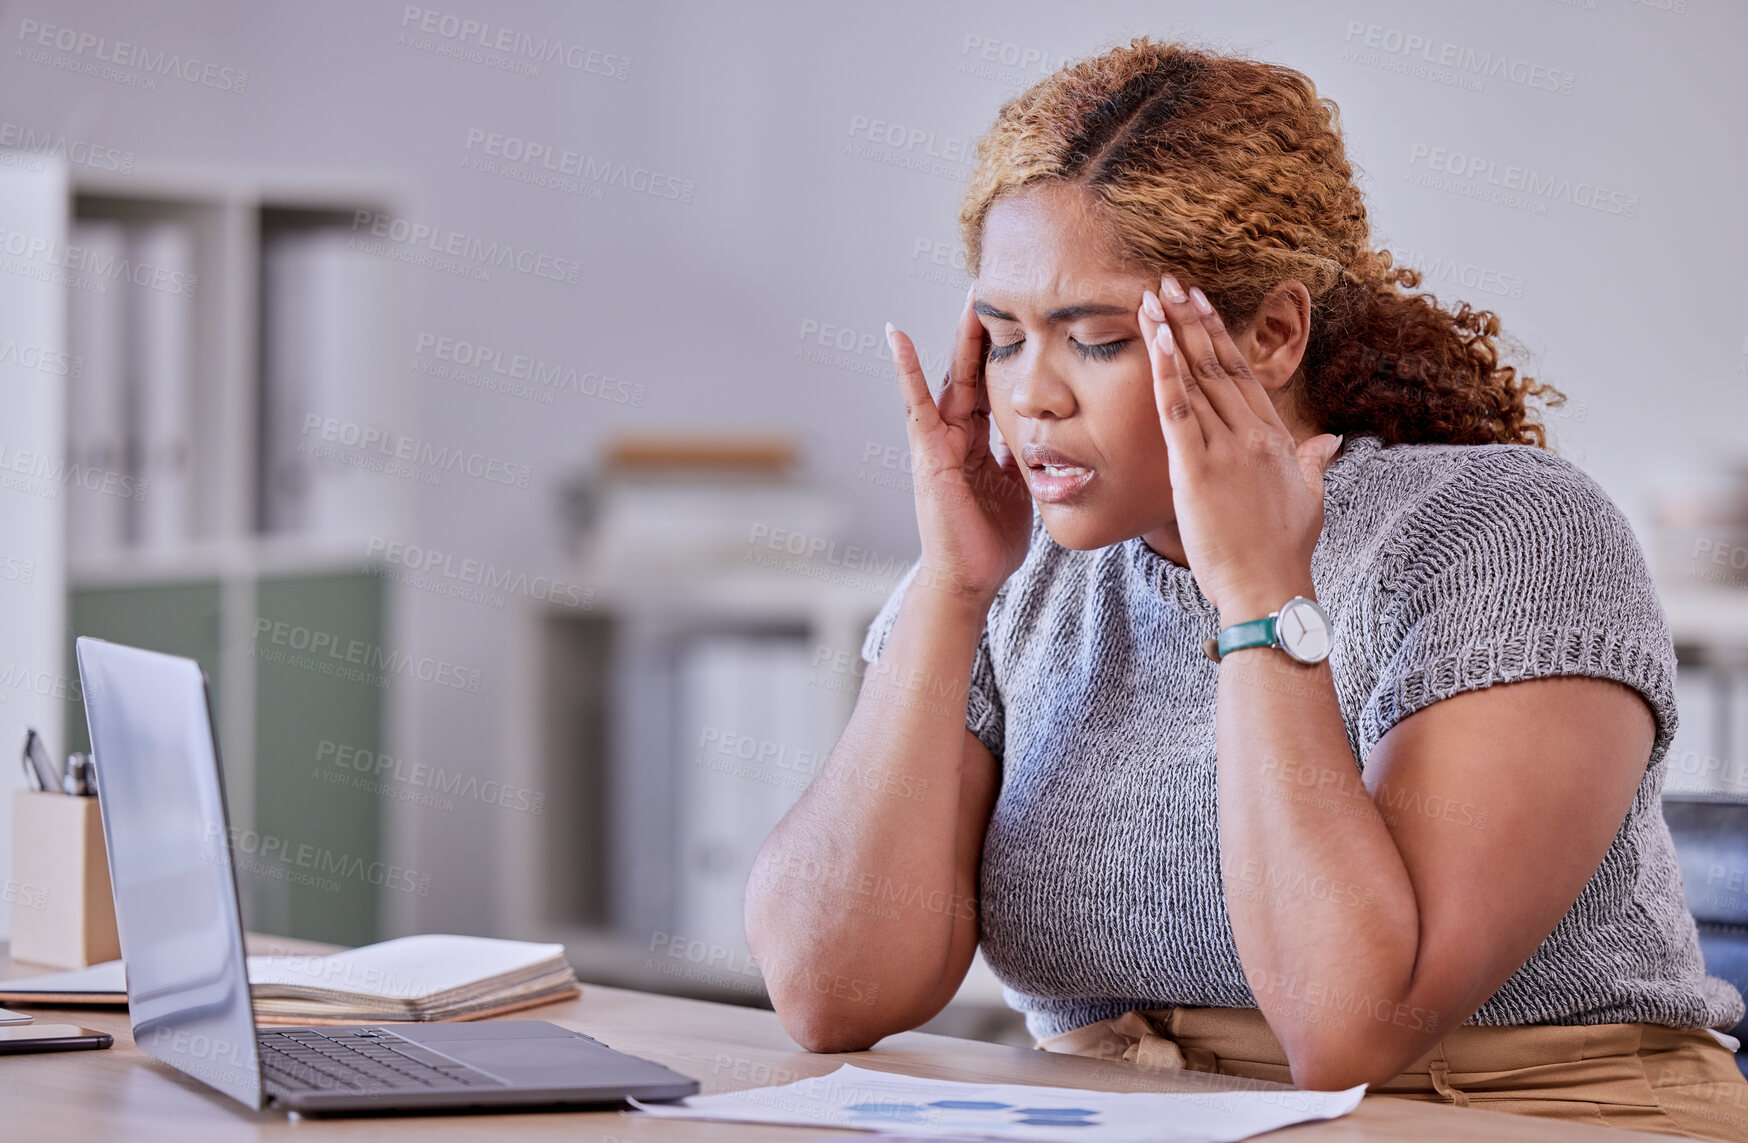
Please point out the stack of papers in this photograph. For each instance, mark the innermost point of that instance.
(911, 1106)
(432, 977)
(413, 978)
(100, 984)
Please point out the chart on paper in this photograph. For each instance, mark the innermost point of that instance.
(914, 1107)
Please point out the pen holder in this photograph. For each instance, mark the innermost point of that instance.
(63, 912)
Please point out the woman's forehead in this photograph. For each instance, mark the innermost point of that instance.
(1047, 248)
(1038, 284)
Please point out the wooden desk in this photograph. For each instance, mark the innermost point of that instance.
(122, 1093)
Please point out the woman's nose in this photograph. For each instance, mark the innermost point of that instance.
(1036, 391)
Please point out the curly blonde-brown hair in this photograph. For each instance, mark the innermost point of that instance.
(1232, 174)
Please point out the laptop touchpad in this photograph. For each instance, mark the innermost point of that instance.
(555, 1060)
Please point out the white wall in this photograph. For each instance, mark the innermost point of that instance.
(1642, 320)
(33, 318)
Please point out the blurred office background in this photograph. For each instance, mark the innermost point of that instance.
(493, 396)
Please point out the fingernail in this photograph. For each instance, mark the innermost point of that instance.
(970, 292)
(1200, 300)
(1171, 288)
(1162, 338)
(1150, 304)
(889, 341)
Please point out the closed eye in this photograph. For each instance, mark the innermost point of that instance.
(1102, 351)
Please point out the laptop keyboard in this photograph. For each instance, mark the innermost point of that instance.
(359, 1059)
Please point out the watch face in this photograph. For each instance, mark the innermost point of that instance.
(1303, 630)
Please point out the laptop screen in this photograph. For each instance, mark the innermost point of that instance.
(176, 912)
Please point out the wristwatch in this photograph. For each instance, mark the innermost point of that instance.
(1300, 628)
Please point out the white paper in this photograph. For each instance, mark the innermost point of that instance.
(406, 968)
(858, 1098)
(106, 976)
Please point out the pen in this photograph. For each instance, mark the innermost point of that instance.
(30, 778)
(36, 756)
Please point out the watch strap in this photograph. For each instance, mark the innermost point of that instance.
(1255, 633)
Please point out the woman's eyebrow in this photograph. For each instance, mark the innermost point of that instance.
(1060, 314)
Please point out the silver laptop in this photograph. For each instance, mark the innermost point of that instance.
(163, 807)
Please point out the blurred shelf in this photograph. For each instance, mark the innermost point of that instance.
(1709, 622)
(248, 557)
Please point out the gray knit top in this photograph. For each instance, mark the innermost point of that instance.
(1444, 568)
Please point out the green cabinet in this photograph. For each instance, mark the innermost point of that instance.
(179, 619)
(308, 854)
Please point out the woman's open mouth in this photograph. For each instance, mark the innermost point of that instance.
(1054, 476)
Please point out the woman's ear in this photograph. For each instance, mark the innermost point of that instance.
(1274, 342)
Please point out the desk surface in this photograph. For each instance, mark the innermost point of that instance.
(123, 1093)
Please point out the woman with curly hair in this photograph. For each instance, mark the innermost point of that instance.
(1312, 727)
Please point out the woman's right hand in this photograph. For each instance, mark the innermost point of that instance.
(972, 505)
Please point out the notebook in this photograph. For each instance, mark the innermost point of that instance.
(98, 984)
(421, 978)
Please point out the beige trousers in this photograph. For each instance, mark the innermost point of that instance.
(1646, 1077)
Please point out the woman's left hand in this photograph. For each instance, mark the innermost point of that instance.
(1249, 499)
